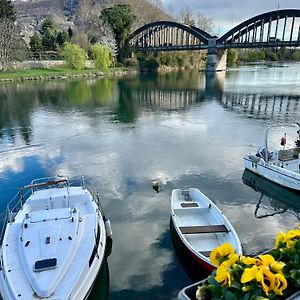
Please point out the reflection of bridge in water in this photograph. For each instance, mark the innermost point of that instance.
(261, 106)
(253, 105)
(169, 99)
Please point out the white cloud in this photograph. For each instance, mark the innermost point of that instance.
(229, 13)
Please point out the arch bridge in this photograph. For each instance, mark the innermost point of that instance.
(280, 28)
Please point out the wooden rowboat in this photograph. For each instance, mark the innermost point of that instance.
(201, 225)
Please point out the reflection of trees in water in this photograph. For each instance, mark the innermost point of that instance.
(18, 102)
(174, 90)
(15, 108)
(172, 80)
(278, 107)
(128, 109)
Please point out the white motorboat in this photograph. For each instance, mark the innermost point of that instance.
(201, 225)
(281, 166)
(54, 241)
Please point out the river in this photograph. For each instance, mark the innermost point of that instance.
(182, 129)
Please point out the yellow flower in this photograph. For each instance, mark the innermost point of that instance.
(289, 238)
(251, 261)
(281, 238)
(293, 234)
(223, 278)
(266, 259)
(261, 260)
(280, 284)
(267, 280)
(277, 266)
(262, 275)
(249, 274)
(219, 254)
(223, 274)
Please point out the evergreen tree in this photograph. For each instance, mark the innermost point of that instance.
(48, 35)
(120, 18)
(48, 41)
(35, 44)
(62, 37)
(46, 26)
(70, 32)
(7, 10)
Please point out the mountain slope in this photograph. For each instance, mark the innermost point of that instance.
(67, 13)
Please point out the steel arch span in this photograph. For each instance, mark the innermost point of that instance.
(272, 29)
(168, 36)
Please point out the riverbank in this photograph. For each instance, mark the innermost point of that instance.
(60, 73)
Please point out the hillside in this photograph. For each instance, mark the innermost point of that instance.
(76, 13)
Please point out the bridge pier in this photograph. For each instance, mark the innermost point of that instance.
(216, 58)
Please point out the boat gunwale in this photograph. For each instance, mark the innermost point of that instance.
(51, 182)
(198, 254)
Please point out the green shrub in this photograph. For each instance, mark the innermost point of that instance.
(232, 57)
(296, 55)
(149, 64)
(75, 57)
(101, 56)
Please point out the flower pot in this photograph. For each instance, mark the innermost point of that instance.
(189, 292)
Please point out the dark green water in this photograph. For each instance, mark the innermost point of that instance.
(183, 129)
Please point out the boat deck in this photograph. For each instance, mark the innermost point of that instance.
(201, 224)
(49, 246)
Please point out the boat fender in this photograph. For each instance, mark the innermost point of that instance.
(108, 229)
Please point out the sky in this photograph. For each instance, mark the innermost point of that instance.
(229, 13)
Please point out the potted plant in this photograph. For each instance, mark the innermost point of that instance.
(271, 275)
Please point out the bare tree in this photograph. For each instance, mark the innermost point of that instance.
(11, 42)
(187, 17)
(204, 23)
(157, 3)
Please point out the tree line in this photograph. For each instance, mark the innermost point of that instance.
(109, 46)
(105, 40)
(235, 56)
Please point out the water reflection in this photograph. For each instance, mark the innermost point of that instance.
(123, 134)
(281, 108)
(274, 199)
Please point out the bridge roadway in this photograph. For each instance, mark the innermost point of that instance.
(280, 28)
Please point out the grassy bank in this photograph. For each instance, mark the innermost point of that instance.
(57, 73)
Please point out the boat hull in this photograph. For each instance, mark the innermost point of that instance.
(204, 218)
(275, 173)
(82, 289)
(54, 246)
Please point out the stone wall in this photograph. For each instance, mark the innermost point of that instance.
(35, 64)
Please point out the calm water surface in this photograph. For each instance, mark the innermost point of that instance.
(183, 129)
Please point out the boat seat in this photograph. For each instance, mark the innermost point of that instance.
(288, 154)
(191, 210)
(203, 229)
(192, 204)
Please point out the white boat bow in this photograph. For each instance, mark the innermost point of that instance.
(54, 244)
